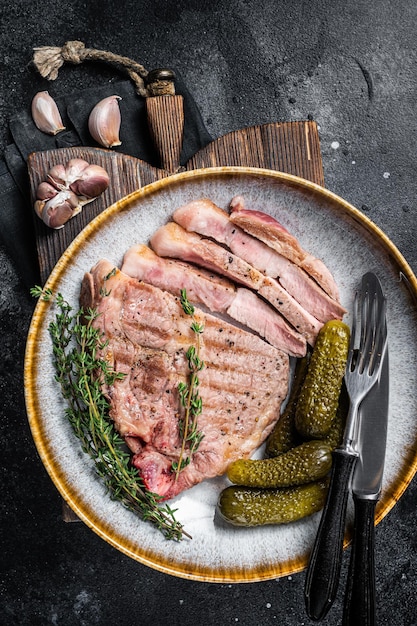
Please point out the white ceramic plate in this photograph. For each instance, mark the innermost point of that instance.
(330, 229)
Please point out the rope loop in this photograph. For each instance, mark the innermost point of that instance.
(49, 59)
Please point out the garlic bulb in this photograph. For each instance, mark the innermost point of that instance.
(45, 114)
(104, 122)
(67, 189)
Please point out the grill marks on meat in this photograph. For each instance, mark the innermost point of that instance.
(242, 385)
(271, 232)
(216, 293)
(204, 217)
(172, 240)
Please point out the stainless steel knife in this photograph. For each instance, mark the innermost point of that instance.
(359, 606)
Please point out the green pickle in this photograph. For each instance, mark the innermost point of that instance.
(334, 437)
(307, 462)
(285, 435)
(249, 506)
(292, 481)
(319, 396)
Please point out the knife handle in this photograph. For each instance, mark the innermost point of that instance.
(323, 570)
(359, 605)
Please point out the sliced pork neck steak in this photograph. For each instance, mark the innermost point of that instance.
(216, 293)
(204, 217)
(271, 232)
(242, 384)
(174, 241)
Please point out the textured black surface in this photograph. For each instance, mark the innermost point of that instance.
(351, 66)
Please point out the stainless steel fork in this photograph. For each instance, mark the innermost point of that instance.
(364, 361)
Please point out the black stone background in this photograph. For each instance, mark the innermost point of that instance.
(351, 66)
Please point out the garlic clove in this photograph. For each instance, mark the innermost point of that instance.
(93, 182)
(74, 170)
(104, 122)
(45, 191)
(56, 216)
(57, 176)
(58, 210)
(45, 114)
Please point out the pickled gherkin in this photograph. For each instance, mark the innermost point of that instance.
(285, 435)
(335, 435)
(307, 462)
(249, 506)
(319, 396)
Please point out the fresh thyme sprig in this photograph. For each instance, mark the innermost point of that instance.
(189, 395)
(81, 374)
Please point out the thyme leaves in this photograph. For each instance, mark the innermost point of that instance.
(190, 398)
(81, 373)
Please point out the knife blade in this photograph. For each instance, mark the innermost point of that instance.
(359, 604)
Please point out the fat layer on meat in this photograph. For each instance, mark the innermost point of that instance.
(204, 217)
(216, 293)
(271, 232)
(171, 240)
(242, 384)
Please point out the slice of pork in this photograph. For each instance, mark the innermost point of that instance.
(270, 231)
(171, 240)
(216, 293)
(242, 384)
(204, 217)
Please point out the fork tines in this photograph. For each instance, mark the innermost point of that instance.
(368, 314)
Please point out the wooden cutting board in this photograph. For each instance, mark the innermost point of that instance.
(291, 147)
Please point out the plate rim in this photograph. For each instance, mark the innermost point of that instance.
(83, 511)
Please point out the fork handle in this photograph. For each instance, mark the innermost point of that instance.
(323, 570)
(359, 605)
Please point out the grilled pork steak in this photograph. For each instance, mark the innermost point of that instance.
(216, 293)
(171, 240)
(242, 385)
(204, 217)
(271, 232)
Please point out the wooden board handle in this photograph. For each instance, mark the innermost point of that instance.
(166, 124)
